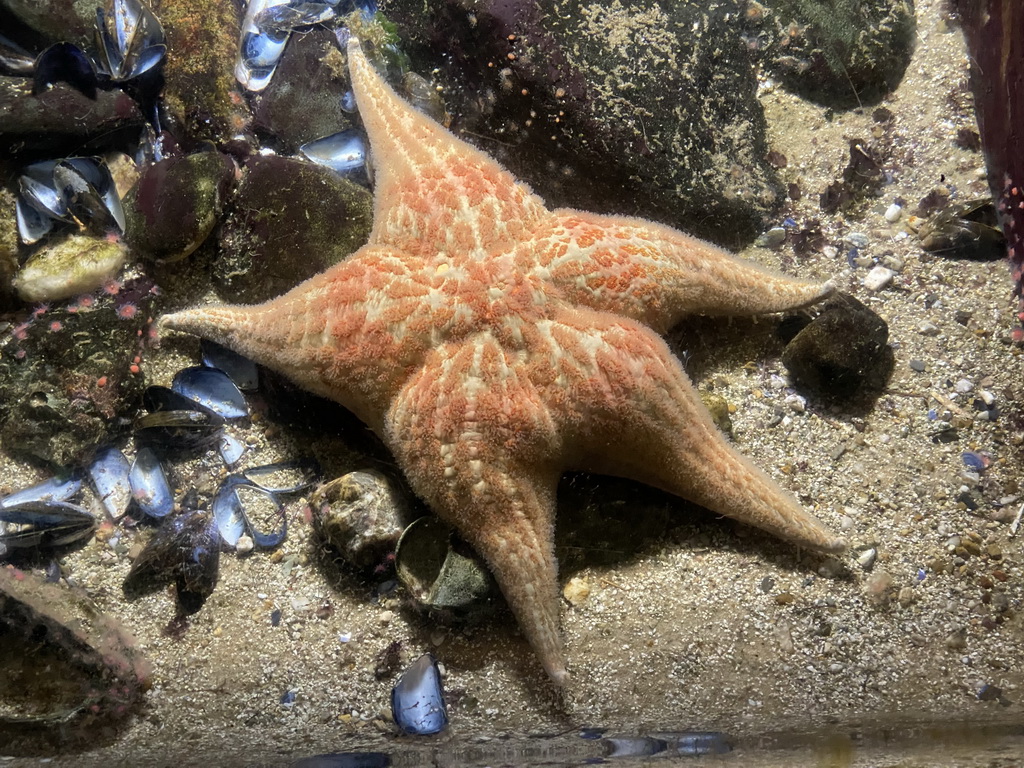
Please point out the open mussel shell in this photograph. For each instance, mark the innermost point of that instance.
(240, 507)
(131, 41)
(285, 477)
(344, 153)
(185, 551)
(440, 571)
(212, 389)
(108, 473)
(259, 50)
(54, 489)
(151, 492)
(64, 63)
(417, 700)
(61, 658)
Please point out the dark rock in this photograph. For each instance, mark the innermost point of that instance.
(303, 101)
(593, 105)
(63, 121)
(842, 353)
(8, 248)
(839, 53)
(175, 204)
(49, 20)
(73, 676)
(66, 373)
(289, 221)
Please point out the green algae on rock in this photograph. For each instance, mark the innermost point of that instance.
(594, 104)
(289, 220)
(839, 53)
(76, 264)
(201, 91)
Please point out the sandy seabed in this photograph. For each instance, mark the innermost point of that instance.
(709, 627)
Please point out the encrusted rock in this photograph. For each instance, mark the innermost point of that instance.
(68, 267)
(361, 515)
(290, 220)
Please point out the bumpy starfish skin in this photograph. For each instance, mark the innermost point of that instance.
(495, 344)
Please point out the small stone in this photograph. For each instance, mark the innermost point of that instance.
(866, 559)
(796, 403)
(785, 598)
(905, 597)
(963, 386)
(917, 366)
(878, 278)
(928, 329)
(957, 639)
(962, 316)
(877, 587)
(386, 617)
(773, 238)
(576, 591)
(857, 239)
(245, 544)
(893, 213)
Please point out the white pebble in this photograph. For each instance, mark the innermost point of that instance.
(964, 386)
(245, 545)
(878, 278)
(796, 403)
(866, 559)
(928, 329)
(893, 213)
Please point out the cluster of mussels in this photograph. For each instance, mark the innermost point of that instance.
(247, 512)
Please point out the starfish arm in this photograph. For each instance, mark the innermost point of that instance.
(656, 274)
(478, 447)
(625, 407)
(433, 192)
(335, 334)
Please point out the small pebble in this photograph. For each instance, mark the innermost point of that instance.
(773, 238)
(857, 239)
(878, 278)
(893, 213)
(796, 403)
(244, 545)
(928, 329)
(866, 559)
(386, 617)
(964, 386)
(917, 365)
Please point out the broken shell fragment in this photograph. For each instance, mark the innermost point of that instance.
(440, 571)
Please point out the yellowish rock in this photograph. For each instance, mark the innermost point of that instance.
(77, 264)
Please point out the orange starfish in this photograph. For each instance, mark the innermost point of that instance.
(494, 344)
